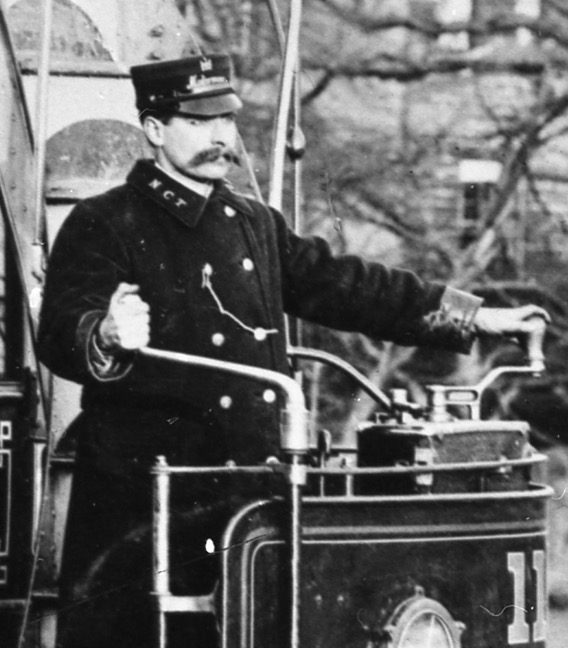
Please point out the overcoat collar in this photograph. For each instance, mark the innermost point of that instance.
(183, 203)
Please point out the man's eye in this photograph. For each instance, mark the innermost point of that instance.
(192, 121)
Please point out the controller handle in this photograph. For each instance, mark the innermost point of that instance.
(534, 343)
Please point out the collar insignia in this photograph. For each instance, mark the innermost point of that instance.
(176, 199)
(206, 64)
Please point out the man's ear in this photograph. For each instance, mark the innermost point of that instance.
(154, 129)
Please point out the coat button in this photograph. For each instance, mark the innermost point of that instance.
(226, 402)
(230, 211)
(218, 339)
(248, 264)
(269, 395)
(260, 334)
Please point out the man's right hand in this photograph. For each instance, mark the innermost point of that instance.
(126, 326)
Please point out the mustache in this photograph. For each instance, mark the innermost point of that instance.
(214, 153)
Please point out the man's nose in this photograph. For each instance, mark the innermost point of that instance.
(220, 131)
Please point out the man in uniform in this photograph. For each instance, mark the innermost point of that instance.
(175, 259)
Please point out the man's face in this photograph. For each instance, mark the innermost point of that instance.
(197, 147)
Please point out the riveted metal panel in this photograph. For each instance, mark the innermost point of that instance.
(361, 557)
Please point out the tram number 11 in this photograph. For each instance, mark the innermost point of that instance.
(520, 630)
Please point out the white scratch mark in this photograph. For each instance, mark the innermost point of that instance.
(503, 610)
(363, 624)
(561, 496)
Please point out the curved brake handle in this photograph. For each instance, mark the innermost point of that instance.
(533, 345)
(440, 396)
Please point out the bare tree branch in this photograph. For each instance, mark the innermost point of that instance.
(321, 85)
(535, 193)
(558, 5)
(478, 256)
(501, 24)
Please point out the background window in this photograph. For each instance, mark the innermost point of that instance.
(478, 179)
(454, 12)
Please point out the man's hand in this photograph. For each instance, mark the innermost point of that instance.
(126, 325)
(510, 321)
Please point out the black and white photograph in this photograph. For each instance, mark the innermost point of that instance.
(284, 324)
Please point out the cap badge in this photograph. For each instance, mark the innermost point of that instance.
(201, 83)
(206, 64)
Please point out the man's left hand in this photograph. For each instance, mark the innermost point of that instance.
(510, 321)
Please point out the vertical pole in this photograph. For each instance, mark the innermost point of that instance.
(160, 549)
(42, 102)
(297, 150)
(297, 478)
(41, 475)
(297, 147)
(285, 97)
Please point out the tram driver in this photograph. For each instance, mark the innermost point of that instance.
(175, 259)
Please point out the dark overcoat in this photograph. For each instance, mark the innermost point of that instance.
(218, 275)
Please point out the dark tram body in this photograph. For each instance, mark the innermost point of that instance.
(391, 571)
(429, 531)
